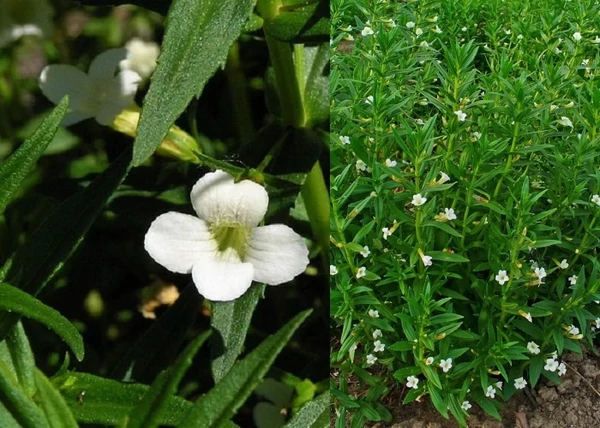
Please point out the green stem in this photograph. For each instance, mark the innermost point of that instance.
(239, 94)
(316, 201)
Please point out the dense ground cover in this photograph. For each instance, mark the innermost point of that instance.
(465, 188)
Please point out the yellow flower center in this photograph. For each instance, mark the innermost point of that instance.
(231, 238)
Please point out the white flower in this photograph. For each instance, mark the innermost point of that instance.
(563, 264)
(362, 271)
(499, 385)
(444, 178)
(577, 36)
(371, 359)
(461, 116)
(446, 365)
(596, 199)
(507, 32)
(99, 93)
(141, 57)
(410, 25)
(419, 122)
(369, 99)
(367, 31)
(412, 382)
(596, 323)
(379, 347)
(377, 333)
(360, 165)
(437, 30)
(224, 248)
(418, 32)
(520, 37)
(526, 315)
(386, 233)
(573, 330)
(418, 200)
(391, 23)
(344, 139)
(533, 347)
(449, 214)
(463, 29)
(465, 405)
(502, 277)
(21, 18)
(565, 121)
(520, 383)
(373, 313)
(562, 369)
(426, 259)
(490, 392)
(365, 252)
(596, 40)
(429, 361)
(333, 270)
(555, 355)
(551, 365)
(540, 273)
(424, 44)
(573, 279)
(390, 163)
(476, 135)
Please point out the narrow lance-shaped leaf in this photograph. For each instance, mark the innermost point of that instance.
(221, 403)
(53, 404)
(14, 169)
(314, 414)
(197, 38)
(22, 358)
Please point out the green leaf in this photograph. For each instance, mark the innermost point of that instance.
(316, 84)
(231, 320)
(443, 226)
(21, 407)
(52, 403)
(314, 414)
(301, 25)
(196, 42)
(14, 170)
(37, 261)
(447, 257)
(149, 412)
(97, 400)
(14, 300)
(22, 358)
(220, 404)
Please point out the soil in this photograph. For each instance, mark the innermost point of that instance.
(573, 404)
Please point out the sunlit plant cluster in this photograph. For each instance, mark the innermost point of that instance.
(464, 192)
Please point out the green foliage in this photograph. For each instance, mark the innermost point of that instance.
(464, 198)
(53, 404)
(314, 414)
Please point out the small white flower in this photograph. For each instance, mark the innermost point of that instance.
(367, 31)
(435, 18)
(373, 313)
(373, 194)
(353, 347)
(424, 44)
(499, 385)
(141, 57)
(533, 347)
(344, 139)
(333, 270)
(551, 365)
(476, 135)
(450, 214)
(412, 382)
(98, 94)
(390, 163)
(465, 405)
(419, 122)
(540, 273)
(426, 260)
(371, 359)
(596, 199)
(520, 383)
(410, 25)
(596, 323)
(377, 333)
(386, 233)
(573, 279)
(520, 37)
(437, 30)
(526, 315)
(444, 178)
(365, 252)
(418, 32)
(446, 365)
(460, 115)
(507, 32)
(20, 18)
(490, 392)
(596, 40)
(562, 369)
(429, 361)
(418, 200)
(360, 165)
(463, 29)
(379, 347)
(573, 330)
(577, 36)
(224, 248)
(362, 271)
(502, 277)
(555, 355)
(565, 121)
(369, 99)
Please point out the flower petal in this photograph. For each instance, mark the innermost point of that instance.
(222, 281)
(277, 253)
(105, 65)
(177, 241)
(119, 95)
(217, 199)
(56, 81)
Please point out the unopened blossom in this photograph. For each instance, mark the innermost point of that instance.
(141, 57)
(378, 346)
(446, 365)
(565, 121)
(554, 355)
(365, 252)
(367, 31)
(353, 347)
(557, 51)
(377, 333)
(520, 383)
(344, 139)
(333, 270)
(362, 271)
(533, 347)
(596, 40)
(463, 29)
(424, 44)
(418, 200)
(507, 32)
(577, 36)
(573, 279)
(20, 18)
(418, 32)
(520, 37)
(574, 331)
(445, 178)
(562, 369)
(371, 359)
(412, 382)
(99, 93)
(490, 392)
(465, 405)
(390, 163)
(476, 135)
(596, 199)
(429, 361)
(563, 264)
(551, 365)
(360, 165)
(460, 115)
(502, 277)
(526, 315)
(499, 385)
(410, 25)
(224, 248)
(373, 313)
